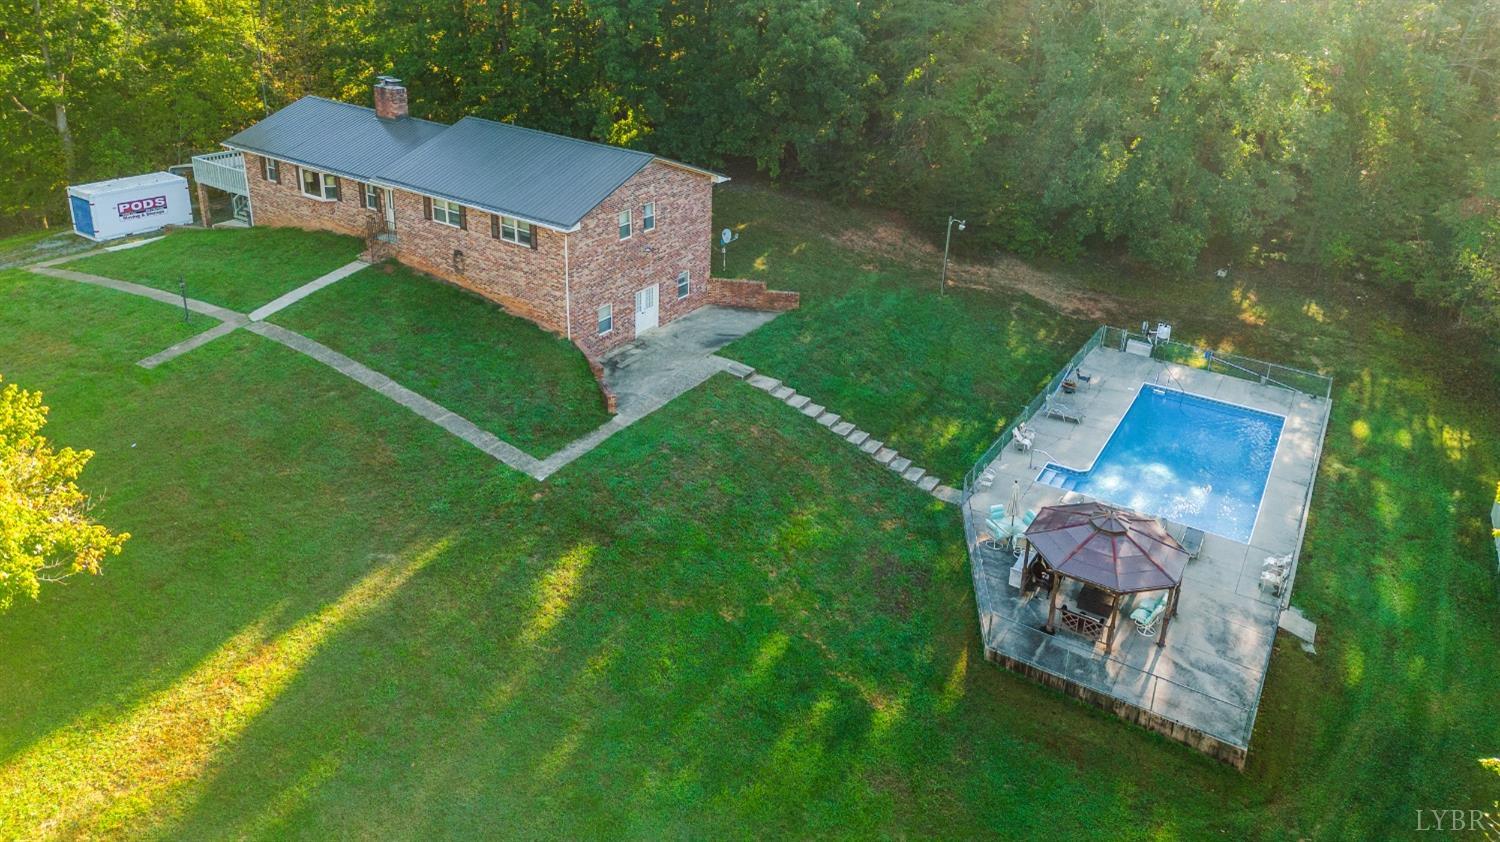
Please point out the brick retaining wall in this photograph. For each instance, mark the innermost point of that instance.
(751, 295)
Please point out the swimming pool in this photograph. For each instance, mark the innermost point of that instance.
(1183, 457)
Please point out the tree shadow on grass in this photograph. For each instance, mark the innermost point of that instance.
(740, 670)
(257, 486)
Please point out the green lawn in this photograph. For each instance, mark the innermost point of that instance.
(937, 378)
(336, 620)
(236, 268)
(505, 374)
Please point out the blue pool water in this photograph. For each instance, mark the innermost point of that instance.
(1183, 457)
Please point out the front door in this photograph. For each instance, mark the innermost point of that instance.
(390, 211)
(646, 315)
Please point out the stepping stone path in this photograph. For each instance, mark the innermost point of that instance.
(834, 423)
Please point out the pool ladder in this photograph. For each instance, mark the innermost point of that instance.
(1167, 380)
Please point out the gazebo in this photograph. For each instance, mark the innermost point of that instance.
(1112, 552)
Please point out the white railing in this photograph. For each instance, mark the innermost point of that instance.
(222, 170)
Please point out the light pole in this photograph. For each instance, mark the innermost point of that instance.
(947, 241)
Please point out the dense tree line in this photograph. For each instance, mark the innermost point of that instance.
(1360, 137)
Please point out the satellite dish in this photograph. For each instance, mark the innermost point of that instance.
(726, 236)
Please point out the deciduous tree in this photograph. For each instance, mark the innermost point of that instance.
(46, 532)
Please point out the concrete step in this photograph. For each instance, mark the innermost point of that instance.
(797, 401)
(927, 483)
(884, 455)
(947, 493)
(899, 464)
(857, 437)
(738, 369)
(828, 419)
(781, 393)
(843, 428)
(870, 446)
(813, 410)
(913, 474)
(760, 381)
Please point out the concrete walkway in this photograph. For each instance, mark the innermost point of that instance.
(290, 298)
(190, 344)
(868, 445)
(645, 375)
(223, 314)
(432, 411)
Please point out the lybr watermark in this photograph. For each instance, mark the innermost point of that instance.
(1454, 820)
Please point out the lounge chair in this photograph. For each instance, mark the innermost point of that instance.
(1192, 541)
(1028, 518)
(995, 523)
(1063, 412)
(1147, 616)
(1074, 379)
(1022, 436)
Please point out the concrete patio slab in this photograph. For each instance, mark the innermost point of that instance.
(1203, 686)
(668, 361)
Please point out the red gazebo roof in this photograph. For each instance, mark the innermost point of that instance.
(1114, 548)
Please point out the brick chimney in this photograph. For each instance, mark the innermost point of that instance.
(390, 98)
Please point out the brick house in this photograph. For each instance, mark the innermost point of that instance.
(597, 243)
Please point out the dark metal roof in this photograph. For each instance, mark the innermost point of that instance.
(338, 137)
(1117, 549)
(537, 176)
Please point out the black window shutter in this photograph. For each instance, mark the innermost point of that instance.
(426, 207)
(463, 218)
(494, 226)
(265, 171)
(532, 230)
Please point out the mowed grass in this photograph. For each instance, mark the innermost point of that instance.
(510, 377)
(936, 377)
(236, 268)
(335, 620)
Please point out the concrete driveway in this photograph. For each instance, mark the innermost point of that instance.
(674, 358)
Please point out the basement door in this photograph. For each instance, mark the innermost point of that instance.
(647, 314)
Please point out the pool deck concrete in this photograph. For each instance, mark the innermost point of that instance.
(1204, 685)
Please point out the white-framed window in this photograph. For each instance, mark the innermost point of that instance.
(320, 185)
(683, 285)
(648, 216)
(369, 196)
(606, 319)
(271, 169)
(624, 218)
(512, 230)
(448, 213)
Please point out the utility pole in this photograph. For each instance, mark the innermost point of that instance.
(947, 241)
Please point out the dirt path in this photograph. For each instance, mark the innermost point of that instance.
(890, 238)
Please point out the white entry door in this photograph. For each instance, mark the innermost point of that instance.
(646, 311)
(390, 211)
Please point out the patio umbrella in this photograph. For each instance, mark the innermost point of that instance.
(1015, 504)
(1115, 549)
